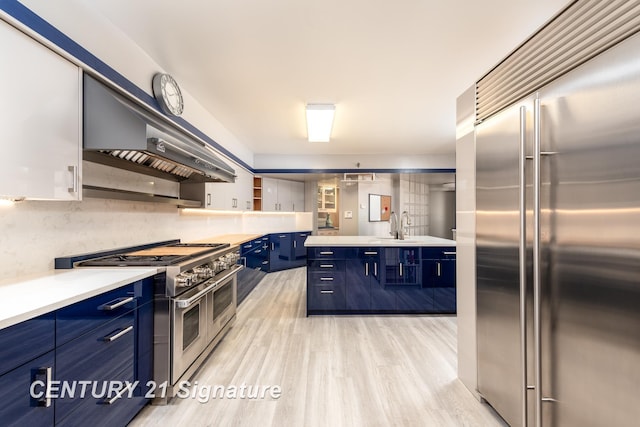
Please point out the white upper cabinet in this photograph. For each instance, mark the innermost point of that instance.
(40, 112)
(282, 195)
(228, 196)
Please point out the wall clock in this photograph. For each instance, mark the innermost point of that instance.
(168, 94)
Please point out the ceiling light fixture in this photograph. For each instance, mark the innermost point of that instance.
(320, 121)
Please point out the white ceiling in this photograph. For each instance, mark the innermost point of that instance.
(393, 68)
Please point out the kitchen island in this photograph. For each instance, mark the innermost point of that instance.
(380, 275)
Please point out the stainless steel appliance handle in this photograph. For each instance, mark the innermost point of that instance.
(185, 303)
(115, 336)
(536, 263)
(112, 305)
(522, 255)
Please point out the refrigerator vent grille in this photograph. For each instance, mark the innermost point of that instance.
(581, 31)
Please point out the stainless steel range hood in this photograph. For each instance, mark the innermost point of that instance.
(119, 133)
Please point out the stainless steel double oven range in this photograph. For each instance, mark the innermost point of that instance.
(194, 306)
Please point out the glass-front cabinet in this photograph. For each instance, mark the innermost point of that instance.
(327, 199)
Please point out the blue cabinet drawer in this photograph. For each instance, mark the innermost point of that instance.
(363, 253)
(325, 265)
(102, 355)
(25, 341)
(326, 253)
(328, 296)
(82, 317)
(18, 407)
(439, 252)
(320, 278)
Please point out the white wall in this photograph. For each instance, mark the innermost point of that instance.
(383, 186)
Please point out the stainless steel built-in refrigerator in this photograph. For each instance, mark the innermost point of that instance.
(558, 248)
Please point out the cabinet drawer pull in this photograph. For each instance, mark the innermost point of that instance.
(45, 401)
(438, 269)
(326, 253)
(326, 265)
(326, 292)
(119, 334)
(448, 253)
(370, 253)
(118, 302)
(115, 398)
(265, 262)
(366, 268)
(247, 246)
(295, 243)
(400, 269)
(326, 279)
(375, 269)
(282, 236)
(259, 251)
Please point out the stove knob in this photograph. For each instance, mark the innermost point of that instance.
(203, 272)
(183, 281)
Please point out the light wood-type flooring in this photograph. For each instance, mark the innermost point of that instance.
(333, 370)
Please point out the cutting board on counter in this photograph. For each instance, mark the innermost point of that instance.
(163, 251)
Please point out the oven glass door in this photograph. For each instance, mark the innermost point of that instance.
(222, 306)
(189, 335)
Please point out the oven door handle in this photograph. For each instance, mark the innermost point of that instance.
(185, 303)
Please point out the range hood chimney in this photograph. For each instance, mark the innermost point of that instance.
(121, 134)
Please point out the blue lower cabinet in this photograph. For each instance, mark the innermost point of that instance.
(412, 299)
(22, 393)
(358, 288)
(99, 356)
(252, 255)
(98, 342)
(439, 275)
(382, 280)
(25, 341)
(383, 298)
(286, 250)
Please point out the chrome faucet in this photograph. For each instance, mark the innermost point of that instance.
(393, 225)
(404, 221)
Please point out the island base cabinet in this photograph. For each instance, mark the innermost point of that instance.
(381, 280)
(358, 289)
(18, 407)
(329, 297)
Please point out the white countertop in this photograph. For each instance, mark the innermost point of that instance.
(316, 241)
(30, 298)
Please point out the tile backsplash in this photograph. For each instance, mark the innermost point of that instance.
(36, 232)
